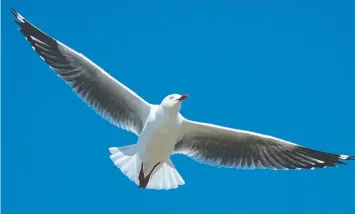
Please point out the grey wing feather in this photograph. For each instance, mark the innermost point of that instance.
(225, 147)
(111, 99)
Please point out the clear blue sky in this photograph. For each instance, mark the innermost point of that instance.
(283, 68)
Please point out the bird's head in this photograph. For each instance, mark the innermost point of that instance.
(173, 101)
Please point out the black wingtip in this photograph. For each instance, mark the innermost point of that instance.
(17, 22)
(18, 18)
(346, 157)
(14, 12)
(341, 162)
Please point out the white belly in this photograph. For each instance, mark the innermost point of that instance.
(157, 140)
(158, 144)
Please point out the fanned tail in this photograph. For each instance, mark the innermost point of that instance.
(127, 160)
(164, 176)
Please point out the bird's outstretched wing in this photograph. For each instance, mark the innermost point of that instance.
(221, 146)
(110, 98)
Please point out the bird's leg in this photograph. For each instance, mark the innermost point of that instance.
(143, 181)
(148, 176)
(141, 177)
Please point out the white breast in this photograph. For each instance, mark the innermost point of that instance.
(158, 137)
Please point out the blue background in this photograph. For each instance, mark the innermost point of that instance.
(284, 68)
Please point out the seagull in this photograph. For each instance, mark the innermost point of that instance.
(162, 131)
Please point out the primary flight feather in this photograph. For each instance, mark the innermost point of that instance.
(162, 131)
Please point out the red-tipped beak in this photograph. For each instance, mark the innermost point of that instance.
(183, 97)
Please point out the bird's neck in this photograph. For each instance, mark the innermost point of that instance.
(169, 113)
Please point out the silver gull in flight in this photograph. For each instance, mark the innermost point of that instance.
(162, 131)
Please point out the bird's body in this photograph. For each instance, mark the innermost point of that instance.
(158, 138)
(161, 129)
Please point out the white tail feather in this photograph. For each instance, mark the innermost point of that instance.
(127, 160)
(165, 176)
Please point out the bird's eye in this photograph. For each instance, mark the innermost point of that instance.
(170, 98)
